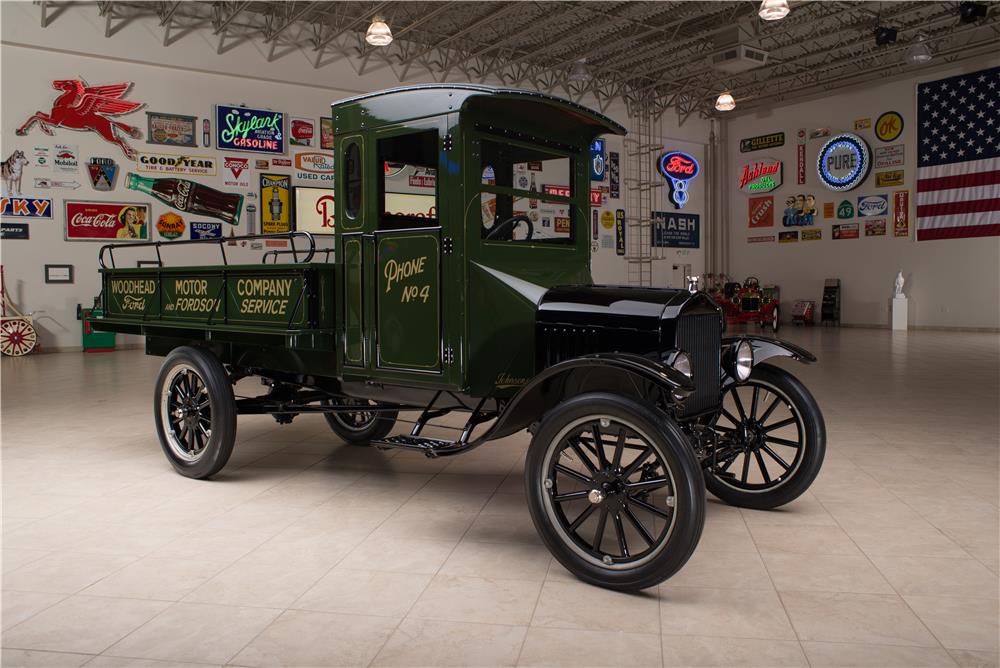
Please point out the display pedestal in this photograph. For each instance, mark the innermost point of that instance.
(899, 313)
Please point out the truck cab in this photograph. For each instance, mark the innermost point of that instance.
(457, 206)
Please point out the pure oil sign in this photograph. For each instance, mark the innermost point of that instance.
(250, 130)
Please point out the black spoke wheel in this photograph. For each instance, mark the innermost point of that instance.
(613, 491)
(361, 426)
(195, 412)
(771, 441)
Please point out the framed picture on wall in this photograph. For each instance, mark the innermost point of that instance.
(171, 129)
(314, 210)
(58, 273)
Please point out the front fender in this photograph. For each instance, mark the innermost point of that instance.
(598, 371)
(765, 347)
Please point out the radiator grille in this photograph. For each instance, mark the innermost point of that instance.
(751, 304)
(700, 337)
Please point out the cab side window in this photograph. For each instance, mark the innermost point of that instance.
(408, 187)
(352, 180)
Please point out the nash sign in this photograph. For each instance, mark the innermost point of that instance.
(761, 177)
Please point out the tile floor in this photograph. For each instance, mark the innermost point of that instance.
(309, 552)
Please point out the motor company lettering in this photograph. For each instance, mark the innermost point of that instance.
(396, 271)
(193, 297)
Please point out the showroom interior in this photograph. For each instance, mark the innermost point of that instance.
(715, 285)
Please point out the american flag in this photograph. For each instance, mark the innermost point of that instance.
(958, 156)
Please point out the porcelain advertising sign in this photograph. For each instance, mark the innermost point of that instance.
(873, 205)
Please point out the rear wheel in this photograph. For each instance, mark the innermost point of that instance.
(195, 412)
(614, 492)
(772, 441)
(362, 426)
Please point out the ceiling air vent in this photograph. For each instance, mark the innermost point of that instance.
(737, 58)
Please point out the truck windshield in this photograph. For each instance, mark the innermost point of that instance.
(525, 194)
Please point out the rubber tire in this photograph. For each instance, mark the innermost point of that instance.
(378, 429)
(775, 323)
(815, 443)
(221, 401)
(690, 493)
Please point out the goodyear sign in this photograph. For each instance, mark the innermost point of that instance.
(161, 163)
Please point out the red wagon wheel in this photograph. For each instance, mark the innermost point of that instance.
(17, 337)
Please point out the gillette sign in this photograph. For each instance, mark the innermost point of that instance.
(761, 176)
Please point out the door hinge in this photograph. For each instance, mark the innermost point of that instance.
(447, 142)
(447, 246)
(449, 355)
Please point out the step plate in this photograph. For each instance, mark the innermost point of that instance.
(426, 445)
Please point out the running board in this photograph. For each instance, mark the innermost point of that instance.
(429, 446)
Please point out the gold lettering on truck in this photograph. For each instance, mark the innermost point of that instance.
(264, 296)
(396, 271)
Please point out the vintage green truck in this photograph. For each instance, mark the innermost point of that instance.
(461, 282)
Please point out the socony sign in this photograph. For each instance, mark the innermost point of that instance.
(762, 176)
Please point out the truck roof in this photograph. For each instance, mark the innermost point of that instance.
(405, 103)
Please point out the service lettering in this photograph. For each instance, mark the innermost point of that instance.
(264, 296)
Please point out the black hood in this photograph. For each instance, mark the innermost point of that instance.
(619, 306)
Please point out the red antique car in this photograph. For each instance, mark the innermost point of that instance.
(751, 302)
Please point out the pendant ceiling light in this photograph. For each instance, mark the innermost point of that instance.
(919, 52)
(579, 71)
(725, 101)
(378, 33)
(773, 10)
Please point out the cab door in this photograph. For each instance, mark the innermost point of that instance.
(406, 291)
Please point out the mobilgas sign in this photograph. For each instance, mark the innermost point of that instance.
(679, 169)
(844, 162)
(250, 130)
(761, 176)
(597, 162)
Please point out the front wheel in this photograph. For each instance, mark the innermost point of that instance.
(362, 426)
(614, 491)
(195, 412)
(771, 441)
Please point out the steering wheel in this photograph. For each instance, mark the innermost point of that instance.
(751, 282)
(511, 222)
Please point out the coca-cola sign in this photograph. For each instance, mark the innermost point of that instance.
(107, 221)
(761, 176)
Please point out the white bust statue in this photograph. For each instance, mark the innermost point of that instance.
(899, 286)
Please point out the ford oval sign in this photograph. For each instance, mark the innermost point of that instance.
(873, 205)
(844, 162)
(678, 168)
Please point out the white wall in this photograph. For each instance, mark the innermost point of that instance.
(187, 78)
(950, 283)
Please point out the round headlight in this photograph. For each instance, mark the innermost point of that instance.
(743, 360)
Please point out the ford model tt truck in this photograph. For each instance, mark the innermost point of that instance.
(461, 282)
